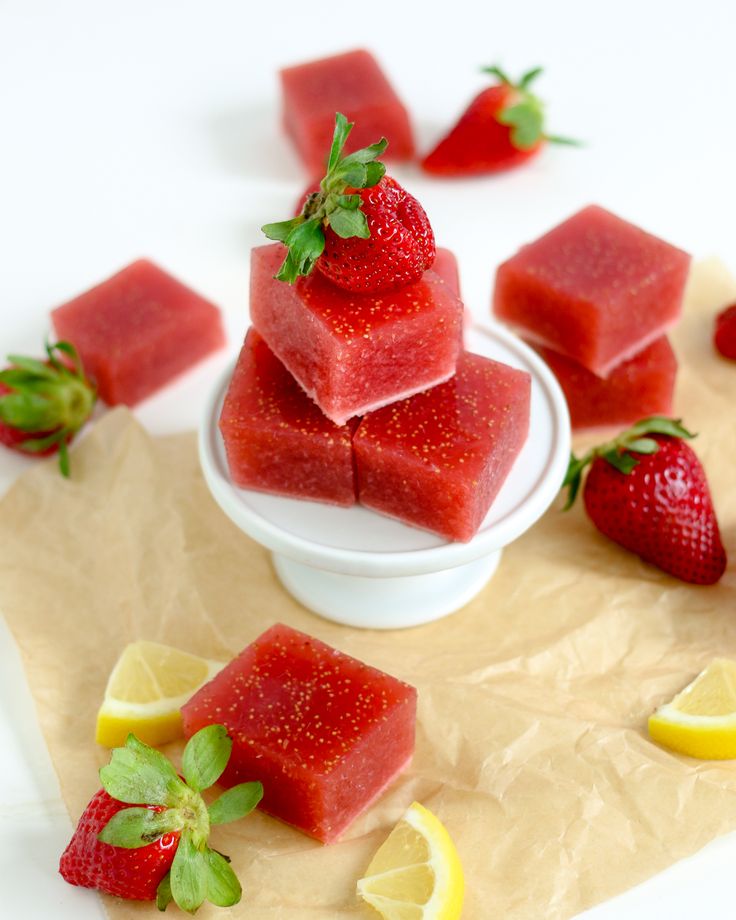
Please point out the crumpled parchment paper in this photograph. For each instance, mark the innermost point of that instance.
(533, 700)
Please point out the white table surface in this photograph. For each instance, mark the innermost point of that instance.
(150, 127)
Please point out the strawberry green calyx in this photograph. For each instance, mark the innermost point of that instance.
(333, 205)
(141, 776)
(524, 113)
(53, 397)
(620, 451)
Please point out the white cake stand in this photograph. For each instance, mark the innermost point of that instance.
(359, 568)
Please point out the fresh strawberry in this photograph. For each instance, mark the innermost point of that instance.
(158, 849)
(44, 403)
(647, 491)
(360, 228)
(501, 128)
(725, 334)
(134, 874)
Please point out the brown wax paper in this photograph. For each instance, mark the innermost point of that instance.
(531, 735)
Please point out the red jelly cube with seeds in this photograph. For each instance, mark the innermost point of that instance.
(323, 732)
(596, 289)
(276, 439)
(138, 330)
(445, 265)
(438, 459)
(353, 353)
(351, 83)
(635, 389)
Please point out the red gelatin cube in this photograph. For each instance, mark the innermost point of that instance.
(323, 732)
(276, 439)
(595, 288)
(138, 330)
(445, 265)
(351, 83)
(353, 353)
(438, 459)
(635, 389)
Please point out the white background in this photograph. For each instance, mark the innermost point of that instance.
(151, 128)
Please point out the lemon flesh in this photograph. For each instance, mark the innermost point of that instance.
(416, 873)
(701, 720)
(146, 690)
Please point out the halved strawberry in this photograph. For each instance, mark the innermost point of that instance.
(501, 128)
(359, 227)
(647, 491)
(43, 404)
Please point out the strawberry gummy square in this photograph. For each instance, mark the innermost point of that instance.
(438, 459)
(354, 84)
(276, 439)
(595, 288)
(322, 731)
(138, 330)
(352, 353)
(641, 386)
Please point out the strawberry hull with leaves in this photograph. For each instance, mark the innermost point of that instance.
(43, 404)
(502, 127)
(359, 227)
(647, 491)
(144, 835)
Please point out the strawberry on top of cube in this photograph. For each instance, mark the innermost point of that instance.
(361, 229)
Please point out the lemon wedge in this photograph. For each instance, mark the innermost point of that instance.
(146, 690)
(701, 720)
(416, 872)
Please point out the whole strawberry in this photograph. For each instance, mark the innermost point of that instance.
(361, 229)
(134, 874)
(647, 491)
(158, 849)
(725, 333)
(501, 128)
(44, 403)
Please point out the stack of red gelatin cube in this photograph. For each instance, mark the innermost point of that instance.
(342, 397)
(596, 296)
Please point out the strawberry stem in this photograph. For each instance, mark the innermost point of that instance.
(304, 235)
(619, 452)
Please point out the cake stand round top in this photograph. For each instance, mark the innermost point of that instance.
(357, 541)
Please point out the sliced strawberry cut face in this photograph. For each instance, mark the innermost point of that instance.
(725, 333)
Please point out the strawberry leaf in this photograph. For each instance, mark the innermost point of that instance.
(500, 74)
(529, 77)
(206, 756)
(223, 887)
(343, 127)
(347, 223)
(366, 154)
(280, 231)
(33, 366)
(189, 874)
(526, 120)
(236, 803)
(138, 827)
(164, 897)
(28, 411)
(139, 774)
